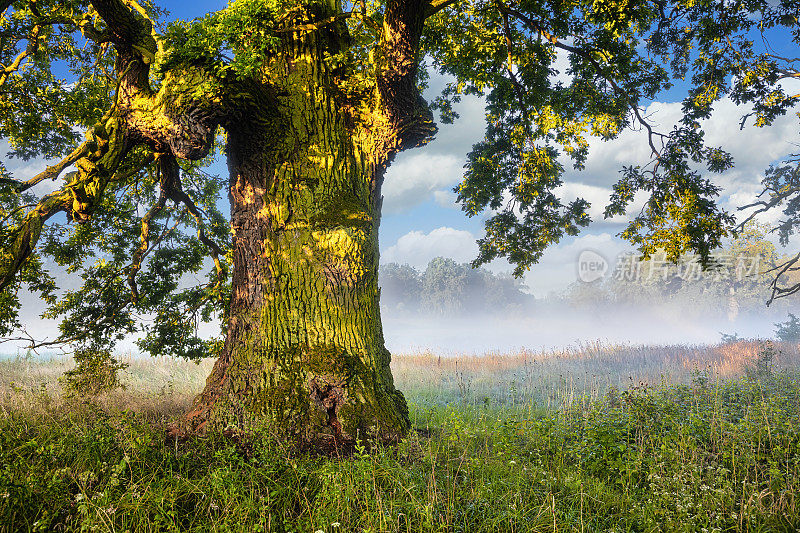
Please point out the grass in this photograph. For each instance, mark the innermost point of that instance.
(597, 438)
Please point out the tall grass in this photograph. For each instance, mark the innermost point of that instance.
(597, 438)
(557, 379)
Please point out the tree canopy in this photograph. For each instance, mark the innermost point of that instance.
(130, 108)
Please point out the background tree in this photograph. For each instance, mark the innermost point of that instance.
(401, 287)
(788, 331)
(447, 288)
(315, 97)
(737, 280)
(444, 286)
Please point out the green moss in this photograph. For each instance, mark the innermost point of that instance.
(342, 209)
(318, 320)
(284, 396)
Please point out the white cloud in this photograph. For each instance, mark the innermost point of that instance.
(414, 178)
(561, 65)
(558, 265)
(458, 138)
(417, 248)
(596, 196)
(19, 168)
(25, 170)
(446, 199)
(753, 149)
(428, 173)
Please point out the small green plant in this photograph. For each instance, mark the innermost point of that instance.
(24, 358)
(700, 378)
(764, 362)
(788, 331)
(96, 371)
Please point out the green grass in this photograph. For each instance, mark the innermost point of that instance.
(704, 447)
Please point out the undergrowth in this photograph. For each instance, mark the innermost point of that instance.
(710, 455)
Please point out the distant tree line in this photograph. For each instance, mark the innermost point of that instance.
(448, 288)
(738, 284)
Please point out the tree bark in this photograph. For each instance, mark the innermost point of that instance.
(305, 351)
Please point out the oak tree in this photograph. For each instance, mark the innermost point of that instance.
(311, 100)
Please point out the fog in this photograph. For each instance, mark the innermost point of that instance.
(555, 327)
(546, 327)
(454, 310)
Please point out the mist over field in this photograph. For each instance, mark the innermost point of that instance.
(450, 308)
(555, 327)
(545, 326)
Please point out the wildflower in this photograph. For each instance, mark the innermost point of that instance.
(335, 524)
(512, 462)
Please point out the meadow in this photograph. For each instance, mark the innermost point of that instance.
(594, 438)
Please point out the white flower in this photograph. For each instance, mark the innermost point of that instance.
(335, 524)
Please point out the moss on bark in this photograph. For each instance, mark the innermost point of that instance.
(305, 349)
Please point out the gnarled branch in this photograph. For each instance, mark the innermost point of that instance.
(408, 114)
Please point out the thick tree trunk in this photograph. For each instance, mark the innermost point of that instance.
(310, 135)
(305, 349)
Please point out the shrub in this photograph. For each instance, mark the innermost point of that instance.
(764, 362)
(95, 372)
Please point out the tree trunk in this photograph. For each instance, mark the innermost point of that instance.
(305, 349)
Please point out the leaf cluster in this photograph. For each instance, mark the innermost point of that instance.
(553, 75)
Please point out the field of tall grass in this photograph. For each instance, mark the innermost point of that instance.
(594, 438)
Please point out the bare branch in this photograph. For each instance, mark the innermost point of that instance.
(171, 186)
(510, 61)
(144, 246)
(782, 292)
